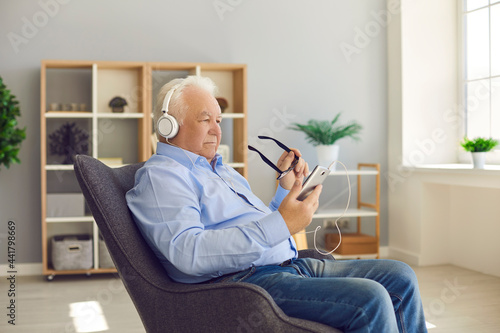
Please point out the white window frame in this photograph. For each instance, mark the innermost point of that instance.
(493, 157)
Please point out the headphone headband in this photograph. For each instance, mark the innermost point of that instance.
(167, 98)
(167, 125)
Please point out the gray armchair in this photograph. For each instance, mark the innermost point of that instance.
(165, 305)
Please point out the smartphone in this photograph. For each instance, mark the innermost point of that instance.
(316, 177)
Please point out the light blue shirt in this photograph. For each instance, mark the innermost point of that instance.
(203, 221)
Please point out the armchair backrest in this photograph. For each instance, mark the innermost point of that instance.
(104, 189)
(162, 304)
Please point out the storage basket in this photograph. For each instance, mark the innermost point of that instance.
(72, 252)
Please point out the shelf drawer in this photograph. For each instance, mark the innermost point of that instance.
(352, 243)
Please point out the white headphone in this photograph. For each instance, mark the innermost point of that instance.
(167, 126)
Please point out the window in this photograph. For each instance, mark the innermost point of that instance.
(481, 74)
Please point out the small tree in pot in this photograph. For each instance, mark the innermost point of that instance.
(10, 136)
(324, 134)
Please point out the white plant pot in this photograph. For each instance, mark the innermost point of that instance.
(478, 160)
(327, 154)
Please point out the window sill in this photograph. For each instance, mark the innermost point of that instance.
(455, 175)
(489, 169)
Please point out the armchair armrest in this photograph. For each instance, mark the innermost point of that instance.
(312, 253)
(247, 307)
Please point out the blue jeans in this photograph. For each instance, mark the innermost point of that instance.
(376, 295)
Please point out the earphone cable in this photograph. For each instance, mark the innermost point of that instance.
(338, 218)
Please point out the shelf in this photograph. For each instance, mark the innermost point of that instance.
(56, 167)
(52, 271)
(236, 165)
(232, 115)
(70, 219)
(329, 213)
(68, 114)
(125, 115)
(88, 114)
(353, 172)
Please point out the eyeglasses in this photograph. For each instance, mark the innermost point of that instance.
(271, 164)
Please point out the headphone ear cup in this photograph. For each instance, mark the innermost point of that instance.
(167, 126)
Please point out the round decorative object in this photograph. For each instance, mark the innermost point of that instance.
(54, 107)
(117, 104)
(222, 103)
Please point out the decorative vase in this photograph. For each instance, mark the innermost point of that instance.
(327, 154)
(478, 160)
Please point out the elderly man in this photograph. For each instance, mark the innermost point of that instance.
(205, 225)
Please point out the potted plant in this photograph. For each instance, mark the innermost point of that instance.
(478, 148)
(10, 136)
(117, 104)
(324, 134)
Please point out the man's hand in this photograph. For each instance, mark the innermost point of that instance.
(298, 214)
(300, 171)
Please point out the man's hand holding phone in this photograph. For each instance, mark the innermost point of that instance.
(298, 214)
(317, 176)
(298, 207)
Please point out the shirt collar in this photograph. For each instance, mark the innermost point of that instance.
(183, 156)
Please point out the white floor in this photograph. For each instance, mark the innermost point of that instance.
(455, 299)
(98, 303)
(459, 300)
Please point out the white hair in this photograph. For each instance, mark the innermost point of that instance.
(178, 106)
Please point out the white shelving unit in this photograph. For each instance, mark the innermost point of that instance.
(363, 209)
(92, 84)
(124, 136)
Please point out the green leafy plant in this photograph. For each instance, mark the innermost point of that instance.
(323, 132)
(478, 145)
(10, 136)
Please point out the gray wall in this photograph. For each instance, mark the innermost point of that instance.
(296, 71)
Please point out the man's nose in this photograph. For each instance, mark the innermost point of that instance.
(216, 128)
